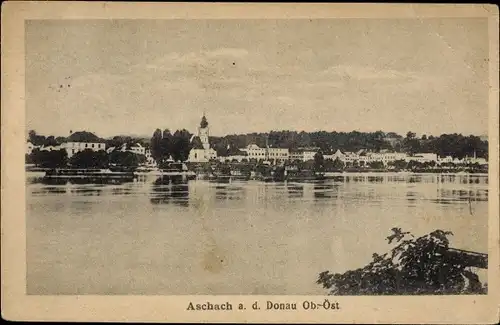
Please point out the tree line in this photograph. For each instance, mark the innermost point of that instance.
(165, 145)
(456, 145)
(116, 141)
(85, 159)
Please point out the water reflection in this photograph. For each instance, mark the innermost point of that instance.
(229, 192)
(66, 188)
(167, 190)
(453, 196)
(122, 191)
(49, 190)
(375, 179)
(295, 191)
(76, 181)
(85, 191)
(73, 226)
(220, 180)
(324, 190)
(407, 189)
(411, 197)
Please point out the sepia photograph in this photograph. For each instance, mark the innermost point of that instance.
(276, 157)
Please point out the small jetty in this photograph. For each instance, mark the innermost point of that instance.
(469, 258)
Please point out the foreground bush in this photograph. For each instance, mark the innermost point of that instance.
(414, 266)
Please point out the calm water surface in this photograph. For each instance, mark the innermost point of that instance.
(200, 237)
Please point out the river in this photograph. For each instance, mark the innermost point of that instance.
(200, 237)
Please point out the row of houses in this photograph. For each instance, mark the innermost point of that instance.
(70, 147)
(203, 152)
(80, 141)
(279, 155)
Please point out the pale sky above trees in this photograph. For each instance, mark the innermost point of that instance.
(133, 76)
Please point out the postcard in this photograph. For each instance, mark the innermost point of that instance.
(237, 162)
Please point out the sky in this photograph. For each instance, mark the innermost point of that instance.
(114, 77)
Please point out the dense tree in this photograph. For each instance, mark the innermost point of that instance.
(411, 135)
(326, 141)
(181, 145)
(458, 146)
(376, 164)
(411, 144)
(89, 159)
(34, 138)
(398, 164)
(156, 145)
(319, 162)
(28, 159)
(413, 266)
(50, 141)
(163, 144)
(118, 141)
(124, 159)
(333, 165)
(49, 159)
(338, 164)
(166, 144)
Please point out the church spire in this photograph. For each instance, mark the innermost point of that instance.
(204, 122)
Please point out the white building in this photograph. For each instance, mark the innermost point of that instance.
(337, 155)
(233, 154)
(255, 152)
(150, 161)
(270, 153)
(80, 141)
(137, 148)
(422, 157)
(76, 142)
(74, 147)
(345, 157)
(385, 157)
(295, 155)
(201, 151)
(302, 154)
(308, 155)
(366, 157)
(230, 158)
(480, 161)
(443, 160)
(475, 160)
(277, 154)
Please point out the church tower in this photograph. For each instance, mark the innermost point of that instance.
(203, 133)
(201, 151)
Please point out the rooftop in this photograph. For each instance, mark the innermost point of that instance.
(204, 122)
(84, 136)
